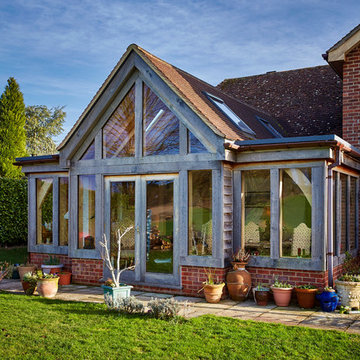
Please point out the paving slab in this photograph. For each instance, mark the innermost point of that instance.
(354, 328)
(150, 295)
(283, 319)
(328, 322)
(187, 299)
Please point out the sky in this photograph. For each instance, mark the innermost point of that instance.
(61, 51)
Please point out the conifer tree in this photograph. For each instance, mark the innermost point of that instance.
(12, 131)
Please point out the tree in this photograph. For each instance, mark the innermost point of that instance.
(12, 132)
(42, 124)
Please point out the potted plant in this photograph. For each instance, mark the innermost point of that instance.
(261, 295)
(306, 295)
(64, 277)
(114, 290)
(239, 280)
(328, 299)
(52, 265)
(282, 293)
(23, 269)
(212, 289)
(29, 283)
(348, 288)
(47, 285)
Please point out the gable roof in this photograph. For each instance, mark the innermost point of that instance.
(305, 102)
(192, 90)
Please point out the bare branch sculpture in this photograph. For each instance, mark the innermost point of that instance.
(105, 255)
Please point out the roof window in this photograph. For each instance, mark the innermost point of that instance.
(230, 114)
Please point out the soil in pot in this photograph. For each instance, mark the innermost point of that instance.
(282, 296)
(306, 297)
(213, 292)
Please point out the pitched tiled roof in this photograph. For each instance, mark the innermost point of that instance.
(191, 90)
(304, 101)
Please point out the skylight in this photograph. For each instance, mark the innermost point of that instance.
(229, 113)
(269, 127)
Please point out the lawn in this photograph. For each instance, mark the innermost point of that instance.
(34, 328)
(14, 255)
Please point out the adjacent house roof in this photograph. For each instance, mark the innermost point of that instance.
(193, 91)
(305, 102)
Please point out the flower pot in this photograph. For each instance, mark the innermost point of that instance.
(349, 293)
(328, 300)
(64, 278)
(213, 292)
(282, 296)
(261, 297)
(51, 269)
(24, 269)
(306, 297)
(28, 287)
(238, 282)
(112, 295)
(48, 287)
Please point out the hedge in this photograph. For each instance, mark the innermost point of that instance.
(13, 211)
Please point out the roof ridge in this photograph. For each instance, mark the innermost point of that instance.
(344, 38)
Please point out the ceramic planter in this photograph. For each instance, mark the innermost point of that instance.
(349, 293)
(24, 269)
(261, 297)
(112, 295)
(213, 292)
(48, 287)
(238, 282)
(306, 297)
(328, 300)
(282, 296)
(28, 288)
(51, 269)
(64, 278)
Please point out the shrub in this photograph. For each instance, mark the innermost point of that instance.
(13, 211)
(130, 305)
(164, 308)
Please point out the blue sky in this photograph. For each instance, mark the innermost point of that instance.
(60, 51)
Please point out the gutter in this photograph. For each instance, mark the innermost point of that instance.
(30, 160)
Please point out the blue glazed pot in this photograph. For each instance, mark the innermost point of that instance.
(328, 301)
(112, 295)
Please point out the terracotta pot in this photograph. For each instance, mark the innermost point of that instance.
(282, 296)
(48, 287)
(28, 287)
(64, 278)
(213, 293)
(24, 269)
(306, 297)
(238, 282)
(261, 297)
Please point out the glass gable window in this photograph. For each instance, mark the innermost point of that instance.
(119, 131)
(195, 145)
(86, 212)
(296, 207)
(89, 154)
(161, 126)
(200, 212)
(44, 211)
(256, 215)
(63, 210)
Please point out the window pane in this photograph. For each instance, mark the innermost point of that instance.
(44, 211)
(343, 182)
(63, 210)
(334, 214)
(256, 221)
(200, 212)
(86, 220)
(159, 226)
(296, 202)
(122, 208)
(119, 131)
(352, 212)
(195, 146)
(161, 126)
(89, 154)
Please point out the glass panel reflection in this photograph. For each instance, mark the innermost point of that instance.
(343, 224)
(352, 213)
(161, 126)
(44, 211)
(195, 146)
(159, 226)
(63, 210)
(122, 216)
(89, 154)
(119, 131)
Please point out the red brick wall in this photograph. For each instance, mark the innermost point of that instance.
(351, 97)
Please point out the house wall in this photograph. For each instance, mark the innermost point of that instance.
(351, 97)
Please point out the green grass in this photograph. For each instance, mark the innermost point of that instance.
(35, 328)
(14, 255)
